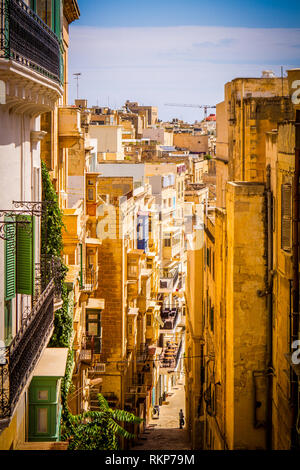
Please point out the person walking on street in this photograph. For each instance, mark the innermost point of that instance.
(181, 419)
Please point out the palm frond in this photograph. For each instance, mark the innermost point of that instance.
(103, 404)
(117, 429)
(126, 416)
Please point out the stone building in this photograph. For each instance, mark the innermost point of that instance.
(33, 70)
(250, 310)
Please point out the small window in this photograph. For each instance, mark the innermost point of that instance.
(93, 329)
(90, 194)
(43, 395)
(149, 320)
(167, 242)
(42, 420)
(132, 270)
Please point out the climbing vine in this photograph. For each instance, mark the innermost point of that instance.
(52, 221)
(52, 245)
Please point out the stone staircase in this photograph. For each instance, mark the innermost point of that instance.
(43, 446)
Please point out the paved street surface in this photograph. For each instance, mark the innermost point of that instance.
(164, 433)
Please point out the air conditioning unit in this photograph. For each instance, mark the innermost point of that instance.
(99, 367)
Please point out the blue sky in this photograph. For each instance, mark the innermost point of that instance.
(177, 51)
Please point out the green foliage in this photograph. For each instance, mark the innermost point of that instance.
(52, 222)
(63, 323)
(67, 382)
(52, 245)
(98, 430)
(207, 157)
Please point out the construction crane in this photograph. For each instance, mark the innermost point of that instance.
(205, 106)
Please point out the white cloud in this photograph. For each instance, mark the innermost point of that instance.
(187, 64)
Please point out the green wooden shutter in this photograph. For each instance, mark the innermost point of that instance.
(10, 259)
(25, 256)
(286, 217)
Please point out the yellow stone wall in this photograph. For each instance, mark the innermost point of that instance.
(194, 143)
(246, 315)
(280, 155)
(194, 336)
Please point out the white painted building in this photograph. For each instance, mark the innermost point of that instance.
(32, 83)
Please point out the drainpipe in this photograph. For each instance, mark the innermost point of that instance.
(269, 309)
(295, 314)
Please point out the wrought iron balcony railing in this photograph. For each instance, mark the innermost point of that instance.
(170, 356)
(88, 279)
(91, 344)
(170, 317)
(18, 360)
(25, 38)
(168, 279)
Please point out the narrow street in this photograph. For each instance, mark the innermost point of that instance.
(164, 433)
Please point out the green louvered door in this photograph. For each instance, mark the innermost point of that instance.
(25, 256)
(10, 259)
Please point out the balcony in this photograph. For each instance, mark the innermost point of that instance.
(88, 279)
(91, 345)
(168, 280)
(26, 39)
(170, 317)
(170, 356)
(18, 361)
(69, 126)
(29, 54)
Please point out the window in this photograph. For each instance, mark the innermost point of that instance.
(43, 395)
(208, 257)
(212, 318)
(286, 216)
(149, 320)
(50, 11)
(42, 420)
(167, 241)
(44, 10)
(93, 329)
(90, 194)
(132, 270)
